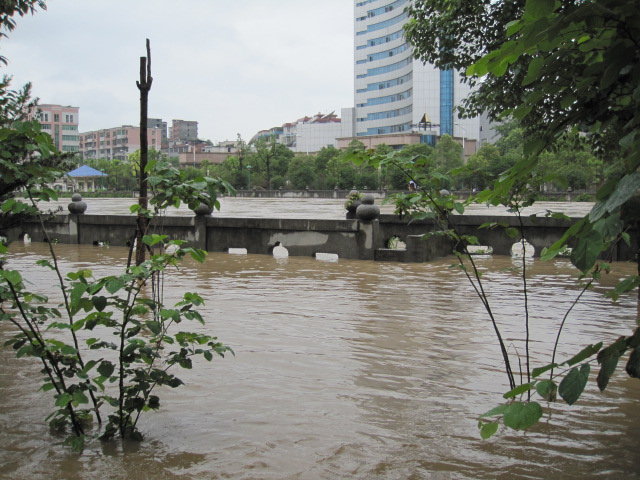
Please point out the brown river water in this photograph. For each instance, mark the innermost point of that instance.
(324, 208)
(349, 369)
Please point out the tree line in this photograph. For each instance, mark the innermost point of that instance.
(266, 164)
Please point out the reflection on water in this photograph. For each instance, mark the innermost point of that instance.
(345, 370)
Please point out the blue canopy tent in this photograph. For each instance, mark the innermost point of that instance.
(84, 177)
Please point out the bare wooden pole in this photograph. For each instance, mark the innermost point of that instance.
(144, 85)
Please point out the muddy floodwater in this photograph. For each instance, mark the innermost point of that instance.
(345, 370)
(324, 208)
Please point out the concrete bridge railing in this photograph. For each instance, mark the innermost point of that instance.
(352, 239)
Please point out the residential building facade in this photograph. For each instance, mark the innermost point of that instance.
(183, 131)
(61, 122)
(395, 93)
(161, 124)
(117, 142)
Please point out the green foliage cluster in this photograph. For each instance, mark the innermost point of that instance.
(112, 342)
(569, 74)
(134, 340)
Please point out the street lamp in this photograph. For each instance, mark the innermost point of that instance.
(249, 174)
(464, 133)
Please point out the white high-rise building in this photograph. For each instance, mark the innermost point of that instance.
(396, 94)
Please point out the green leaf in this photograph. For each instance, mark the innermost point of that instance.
(154, 239)
(626, 285)
(99, 302)
(633, 365)
(586, 252)
(561, 244)
(540, 370)
(89, 365)
(533, 72)
(45, 263)
(573, 383)
(624, 190)
(585, 353)
(76, 442)
(154, 327)
(78, 324)
(547, 389)
(518, 390)
(68, 350)
(153, 402)
(11, 276)
(172, 314)
(499, 410)
(114, 284)
(63, 399)
(522, 415)
(198, 255)
(76, 294)
(106, 368)
(488, 429)
(608, 360)
(538, 8)
(25, 350)
(79, 397)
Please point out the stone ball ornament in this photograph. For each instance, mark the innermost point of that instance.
(77, 206)
(367, 211)
(203, 210)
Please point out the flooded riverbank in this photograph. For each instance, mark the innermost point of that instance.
(352, 369)
(321, 208)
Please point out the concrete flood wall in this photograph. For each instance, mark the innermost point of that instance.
(352, 239)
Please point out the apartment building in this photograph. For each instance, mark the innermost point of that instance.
(161, 124)
(117, 142)
(183, 131)
(61, 122)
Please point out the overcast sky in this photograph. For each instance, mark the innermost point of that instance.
(235, 66)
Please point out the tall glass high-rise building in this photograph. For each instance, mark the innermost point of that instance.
(394, 93)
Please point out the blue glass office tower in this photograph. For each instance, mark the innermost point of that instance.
(394, 92)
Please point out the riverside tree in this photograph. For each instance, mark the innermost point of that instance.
(111, 343)
(558, 68)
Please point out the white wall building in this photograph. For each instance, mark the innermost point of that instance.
(311, 134)
(394, 93)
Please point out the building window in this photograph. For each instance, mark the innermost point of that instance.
(386, 68)
(390, 129)
(68, 118)
(390, 113)
(387, 99)
(45, 126)
(56, 117)
(446, 102)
